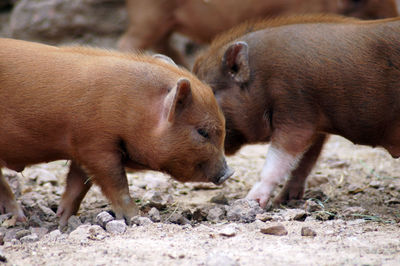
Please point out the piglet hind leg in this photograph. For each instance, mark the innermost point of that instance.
(283, 156)
(8, 203)
(108, 172)
(78, 184)
(294, 187)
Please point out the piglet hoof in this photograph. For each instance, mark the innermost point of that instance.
(261, 193)
(287, 194)
(16, 211)
(126, 211)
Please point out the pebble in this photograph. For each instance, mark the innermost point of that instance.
(276, 230)
(96, 232)
(312, 206)
(294, 214)
(243, 210)
(263, 217)
(217, 259)
(116, 227)
(219, 199)
(187, 213)
(103, 218)
(29, 238)
(139, 220)
(157, 200)
(317, 180)
(177, 218)
(10, 234)
(2, 256)
(4, 217)
(215, 214)
(375, 184)
(229, 230)
(154, 215)
(73, 223)
(354, 189)
(307, 231)
(350, 211)
(21, 233)
(53, 235)
(39, 231)
(200, 214)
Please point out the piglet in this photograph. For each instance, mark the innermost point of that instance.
(292, 81)
(104, 111)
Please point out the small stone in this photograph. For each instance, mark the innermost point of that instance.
(354, 189)
(317, 180)
(220, 199)
(96, 232)
(53, 235)
(243, 210)
(312, 206)
(187, 213)
(324, 216)
(103, 218)
(154, 215)
(2, 256)
(263, 217)
(116, 227)
(294, 214)
(73, 223)
(157, 200)
(392, 201)
(140, 221)
(215, 214)
(10, 234)
(177, 218)
(4, 217)
(353, 211)
(217, 259)
(1, 238)
(39, 231)
(276, 230)
(44, 176)
(315, 193)
(375, 184)
(228, 231)
(29, 238)
(200, 214)
(80, 233)
(21, 233)
(307, 231)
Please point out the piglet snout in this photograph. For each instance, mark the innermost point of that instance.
(223, 175)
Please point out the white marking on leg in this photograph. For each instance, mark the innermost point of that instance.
(278, 165)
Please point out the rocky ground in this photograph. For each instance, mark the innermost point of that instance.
(350, 213)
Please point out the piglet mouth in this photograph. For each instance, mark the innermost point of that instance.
(228, 172)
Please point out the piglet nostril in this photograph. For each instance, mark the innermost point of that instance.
(228, 172)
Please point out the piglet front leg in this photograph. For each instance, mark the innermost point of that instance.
(284, 154)
(107, 171)
(278, 165)
(8, 203)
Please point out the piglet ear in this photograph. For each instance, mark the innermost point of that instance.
(178, 99)
(235, 62)
(165, 59)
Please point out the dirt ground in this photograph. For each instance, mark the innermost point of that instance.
(354, 193)
(356, 187)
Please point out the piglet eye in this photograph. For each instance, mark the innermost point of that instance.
(203, 133)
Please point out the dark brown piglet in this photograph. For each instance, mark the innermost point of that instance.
(104, 111)
(152, 22)
(292, 81)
